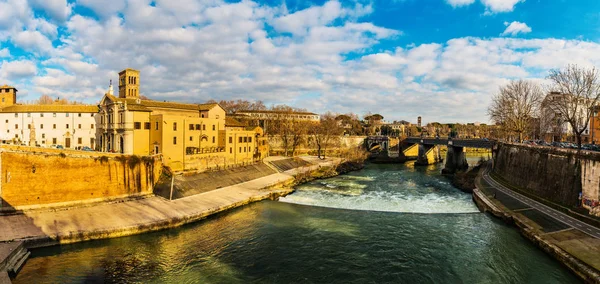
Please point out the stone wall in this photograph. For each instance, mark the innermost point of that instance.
(555, 174)
(45, 178)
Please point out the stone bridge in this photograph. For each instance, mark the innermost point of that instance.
(456, 160)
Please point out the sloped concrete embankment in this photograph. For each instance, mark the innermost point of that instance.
(40, 228)
(581, 269)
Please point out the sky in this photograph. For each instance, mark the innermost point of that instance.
(439, 59)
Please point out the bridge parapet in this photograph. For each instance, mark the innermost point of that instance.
(469, 143)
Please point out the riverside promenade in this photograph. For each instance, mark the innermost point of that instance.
(572, 242)
(38, 228)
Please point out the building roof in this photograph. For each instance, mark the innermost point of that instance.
(146, 104)
(7, 87)
(276, 111)
(232, 122)
(50, 108)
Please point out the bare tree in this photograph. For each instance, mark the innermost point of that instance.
(578, 92)
(325, 132)
(515, 105)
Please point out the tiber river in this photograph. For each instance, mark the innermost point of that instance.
(384, 224)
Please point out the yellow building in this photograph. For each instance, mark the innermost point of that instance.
(189, 136)
(8, 96)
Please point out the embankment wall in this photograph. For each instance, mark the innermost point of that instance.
(554, 174)
(42, 178)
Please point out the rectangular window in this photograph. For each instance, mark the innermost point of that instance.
(250, 139)
(28, 126)
(67, 114)
(174, 140)
(213, 139)
(91, 126)
(204, 127)
(53, 126)
(41, 115)
(240, 149)
(174, 126)
(92, 142)
(147, 125)
(213, 127)
(79, 140)
(67, 126)
(79, 115)
(191, 138)
(156, 126)
(79, 126)
(16, 115)
(137, 125)
(230, 150)
(43, 135)
(230, 140)
(41, 126)
(16, 126)
(245, 139)
(53, 140)
(92, 115)
(191, 127)
(239, 139)
(197, 126)
(28, 114)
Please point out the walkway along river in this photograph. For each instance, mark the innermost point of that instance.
(383, 224)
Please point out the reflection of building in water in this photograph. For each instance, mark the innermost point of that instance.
(189, 136)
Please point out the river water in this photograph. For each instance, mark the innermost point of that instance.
(383, 224)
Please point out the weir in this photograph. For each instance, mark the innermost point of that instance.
(455, 157)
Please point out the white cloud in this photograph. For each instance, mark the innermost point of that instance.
(32, 41)
(515, 27)
(4, 52)
(58, 10)
(499, 6)
(460, 3)
(212, 50)
(17, 69)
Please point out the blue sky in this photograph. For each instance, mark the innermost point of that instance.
(439, 59)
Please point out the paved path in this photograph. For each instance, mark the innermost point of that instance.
(107, 220)
(550, 212)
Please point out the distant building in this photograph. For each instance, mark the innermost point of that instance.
(72, 126)
(263, 117)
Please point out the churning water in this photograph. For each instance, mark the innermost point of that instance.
(389, 188)
(368, 241)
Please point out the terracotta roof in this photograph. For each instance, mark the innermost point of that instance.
(50, 108)
(232, 122)
(159, 104)
(136, 107)
(7, 87)
(276, 111)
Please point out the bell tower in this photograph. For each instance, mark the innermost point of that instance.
(129, 84)
(8, 96)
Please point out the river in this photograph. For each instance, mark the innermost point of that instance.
(383, 224)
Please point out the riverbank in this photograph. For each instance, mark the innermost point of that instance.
(39, 228)
(575, 247)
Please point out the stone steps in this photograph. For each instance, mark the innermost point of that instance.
(12, 258)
